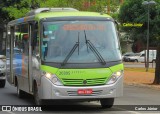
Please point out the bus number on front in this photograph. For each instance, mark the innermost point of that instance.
(64, 73)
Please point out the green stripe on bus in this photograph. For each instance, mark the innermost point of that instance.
(49, 69)
(117, 68)
(70, 14)
(72, 77)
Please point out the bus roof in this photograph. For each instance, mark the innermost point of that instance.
(58, 14)
(70, 14)
(40, 10)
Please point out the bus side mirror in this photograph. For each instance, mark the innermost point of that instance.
(34, 33)
(117, 26)
(34, 38)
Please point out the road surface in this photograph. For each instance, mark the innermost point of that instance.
(133, 96)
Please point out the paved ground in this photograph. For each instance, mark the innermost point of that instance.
(134, 97)
(138, 65)
(140, 79)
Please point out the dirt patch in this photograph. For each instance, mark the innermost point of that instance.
(140, 78)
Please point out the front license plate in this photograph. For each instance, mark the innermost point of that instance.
(84, 91)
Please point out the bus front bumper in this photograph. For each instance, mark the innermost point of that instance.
(50, 91)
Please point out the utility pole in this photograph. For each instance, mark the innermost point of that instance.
(148, 4)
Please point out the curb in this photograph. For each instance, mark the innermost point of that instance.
(157, 87)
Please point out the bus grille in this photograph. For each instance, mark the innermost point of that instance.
(94, 93)
(84, 82)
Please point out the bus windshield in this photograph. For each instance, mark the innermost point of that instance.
(62, 39)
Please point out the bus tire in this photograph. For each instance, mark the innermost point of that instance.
(2, 83)
(20, 93)
(37, 100)
(107, 103)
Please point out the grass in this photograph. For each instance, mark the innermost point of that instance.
(152, 70)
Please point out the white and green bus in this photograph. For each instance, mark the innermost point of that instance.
(65, 54)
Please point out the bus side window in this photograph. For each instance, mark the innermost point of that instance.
(34, 36)
(35, 39)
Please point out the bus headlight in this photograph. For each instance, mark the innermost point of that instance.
(53, 78)
(115, 77)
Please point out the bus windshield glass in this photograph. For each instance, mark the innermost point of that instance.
(72, 39)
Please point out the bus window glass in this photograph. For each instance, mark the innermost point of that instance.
(25, 38)
(58, 39)
(8, 41)
(18, 38)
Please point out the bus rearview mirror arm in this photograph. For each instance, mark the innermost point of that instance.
(117, 28)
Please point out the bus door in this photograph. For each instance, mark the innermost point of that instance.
(34, 59)
(30, 78)
(21, 56)
(30, 54)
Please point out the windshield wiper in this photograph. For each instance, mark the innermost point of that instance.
(94, 50)
(71, 52)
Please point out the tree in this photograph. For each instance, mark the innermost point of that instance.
(18, 8)
(13, 9)
(157, 36)
(132, 11)
(3, 21)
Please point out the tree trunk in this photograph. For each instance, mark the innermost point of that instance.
(121, 1)
(157, 70)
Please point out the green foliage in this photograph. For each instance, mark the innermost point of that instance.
(132, 11)
(18, 8)
(115, 15)
(16, 13)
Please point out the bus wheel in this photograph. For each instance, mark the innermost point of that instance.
(2, 83)
(107, 103)
(20, 93)
(37, 100)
